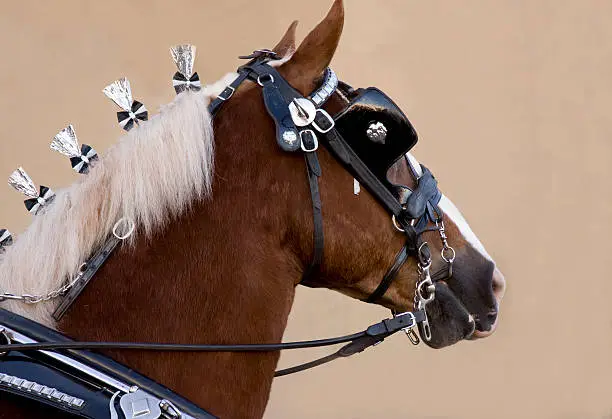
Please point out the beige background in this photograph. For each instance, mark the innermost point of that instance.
(512, 103)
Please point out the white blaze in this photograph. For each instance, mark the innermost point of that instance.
(454, 214)
(416, 166)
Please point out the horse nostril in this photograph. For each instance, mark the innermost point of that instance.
(498, 285)
(486, 322)
(492, 317)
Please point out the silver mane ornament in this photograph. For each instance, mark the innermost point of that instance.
(184, 79)
(66, 143)
(20, 180)
(120, 92)
(377, 132)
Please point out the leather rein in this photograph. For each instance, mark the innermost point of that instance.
(411, 217)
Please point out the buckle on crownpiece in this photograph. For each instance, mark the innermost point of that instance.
(328, 121)
(264, 52)
(227, 93)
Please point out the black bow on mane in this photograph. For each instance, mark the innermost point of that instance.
(127, 119)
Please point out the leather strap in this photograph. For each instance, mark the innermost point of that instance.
(357, 342)
(227, 93)
(88, 272)
(375, 334)
(314, 172)
(379, 331)
(400, 259)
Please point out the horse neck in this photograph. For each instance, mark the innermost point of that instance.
(219, 274)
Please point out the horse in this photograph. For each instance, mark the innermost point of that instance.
(223, 236)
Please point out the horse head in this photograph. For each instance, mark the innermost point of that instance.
(360, 239)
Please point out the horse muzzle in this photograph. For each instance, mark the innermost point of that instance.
(486, 326)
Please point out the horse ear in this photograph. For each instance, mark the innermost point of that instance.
(316, 51)
(286, 46)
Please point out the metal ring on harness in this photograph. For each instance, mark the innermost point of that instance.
(426, 288)
(130, 228)
(398, 227)
(265, 78)
(451, 254)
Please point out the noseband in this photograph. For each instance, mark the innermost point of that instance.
(367, 137)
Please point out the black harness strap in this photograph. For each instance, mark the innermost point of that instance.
(376, 332)
(314, 172)
(227, 93)
(374, 335)
(357, 342)
(87, 273)
(400, 259)
(307, 365)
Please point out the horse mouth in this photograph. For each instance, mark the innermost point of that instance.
(450, 320)
(481, 334)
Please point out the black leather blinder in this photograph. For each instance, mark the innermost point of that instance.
(377, 131)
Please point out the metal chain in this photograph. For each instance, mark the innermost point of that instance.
(35, 299)
(126, 224)
(447, 253)
(424, 293)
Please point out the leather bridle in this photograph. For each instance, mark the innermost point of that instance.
(412, 214)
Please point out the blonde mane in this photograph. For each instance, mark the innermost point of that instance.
(155, 172)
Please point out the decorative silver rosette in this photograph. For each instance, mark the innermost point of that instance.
(20, 180)
(184, 78)
(66, 143)
(377, 132)
(120, 92)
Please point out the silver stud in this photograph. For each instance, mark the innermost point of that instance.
(26, 385)
(57, 395)
(77, 403)
(16, 381)
(47, 391)
(67, 399)
(289, 137)
(377, 132)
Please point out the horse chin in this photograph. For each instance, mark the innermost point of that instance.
(449, 320)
